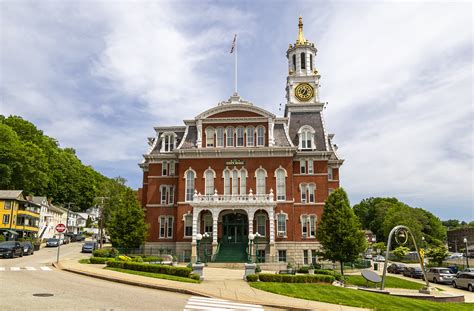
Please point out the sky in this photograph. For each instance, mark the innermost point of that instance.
(397, 76)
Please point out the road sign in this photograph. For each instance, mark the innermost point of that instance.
(60, 228)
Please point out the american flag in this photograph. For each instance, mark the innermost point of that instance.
(233, 44)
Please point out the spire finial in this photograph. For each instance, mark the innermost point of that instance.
(301, 39)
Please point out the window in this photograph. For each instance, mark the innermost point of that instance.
(261, 224)
(302, 166)
(171, 195)
(330, 176)
(304, 225)
(243, 181)
(226, 182)
(230, 137)
(311, 62)
(209, 137)
(188, 225)
(240, 137)
(6, 219)
(167, 195)
(308, 226)
(260, 174)
(312, 226)
(303, 61)
(260, 255)
(303, 193)
(172, 168)
(220, 137)
(306, 137)
(294, 62)
(208, 223)
(310, 167)
(168, 142)
(209, 181)
(314, 256)
(250, 136)
(162, 227)
(170, 227)
(282, 253)
(163, 194)
(189, 185)
(281, 225)
(164, 168)
(235, 182)
(166, 227)
(305, 257)
(8, 205)
(280, 184)
(311, 189)
(260, 136)
(330, 191)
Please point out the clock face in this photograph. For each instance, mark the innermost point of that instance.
(304, 92)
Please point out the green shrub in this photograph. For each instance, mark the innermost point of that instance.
(258, 269)
(151, 258)
(124, 258)
(195, 276)
(303, 269)
(113, 252)
(101, 253)
(333, 273)
(137, 259)
(100, 260)
(153, 268)
(252, 278)
(286, 278)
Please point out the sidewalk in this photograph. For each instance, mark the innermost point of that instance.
(218, 283)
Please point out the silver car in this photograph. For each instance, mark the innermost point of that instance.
(440, 275)
(464, 280)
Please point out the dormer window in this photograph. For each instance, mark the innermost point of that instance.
(209, 137)
(220, 137)
(306, 138)
(260, 136)
(168, 142)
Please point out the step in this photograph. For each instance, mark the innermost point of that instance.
(227, 265)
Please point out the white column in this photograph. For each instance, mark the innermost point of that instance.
(271, 139)
(199, 133)
(215, 218)
(271, 218)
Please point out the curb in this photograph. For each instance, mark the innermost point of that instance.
(164, 288)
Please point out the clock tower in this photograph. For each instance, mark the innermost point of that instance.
(302, 86)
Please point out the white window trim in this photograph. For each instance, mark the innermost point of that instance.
(226, 137)
(265, 217)
(210, 131)
(186, 183)
(307, 217)
(264, 134)
(243, 181)
(217, 137)
(285, 215)
(209, 169)
(264, 180)
(285, 175)
(306, 129)
(184, 225)
(242, 129)
(248, 136)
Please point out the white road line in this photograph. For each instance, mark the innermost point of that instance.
(2, 268)
(15, 269)
(31, 268)
(45, 268)
(200, 303)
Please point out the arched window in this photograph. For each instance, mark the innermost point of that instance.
(209, 137)
(303, 61)
(260, 136)
(304, 194)
(308, 226)
(235, 182)
(209, 181)
(280, 184)
(250, 136)
(240, 137)
(190, 175)
(261, 220)
(207, 219)
(220, 137)
(260, 174)
(294, 62)
(226, 182)
(281, 225)
(311, 193)
(230, 137)
(306, 137)
(311, 62)
(243, 181)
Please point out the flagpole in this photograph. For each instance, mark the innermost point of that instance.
(235, 69)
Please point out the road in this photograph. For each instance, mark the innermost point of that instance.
(24, 278)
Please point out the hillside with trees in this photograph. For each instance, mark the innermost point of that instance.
(35, 163)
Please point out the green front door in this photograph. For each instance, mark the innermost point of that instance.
(235, 228)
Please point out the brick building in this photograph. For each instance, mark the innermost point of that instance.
(237, 169)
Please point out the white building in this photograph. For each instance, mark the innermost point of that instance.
(50, 217)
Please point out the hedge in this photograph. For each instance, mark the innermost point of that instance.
(252, 278)
(152, 258)
(153, 268)
(285, 278)
(101, 253)
(100, 260)
(333, 273)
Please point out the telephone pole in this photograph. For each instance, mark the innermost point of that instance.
(67, 215)
(101, 220)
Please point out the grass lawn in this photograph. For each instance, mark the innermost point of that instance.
(355, 298)
(390, 282)
(155, 275)
(84, 260)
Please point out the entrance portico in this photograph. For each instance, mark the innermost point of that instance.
(236, 225)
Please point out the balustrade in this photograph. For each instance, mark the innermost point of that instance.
(249, 198)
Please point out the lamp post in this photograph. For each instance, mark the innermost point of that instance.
(251, 237)
(467, 258)
(205, 235)
(198, 240)
(257, 235)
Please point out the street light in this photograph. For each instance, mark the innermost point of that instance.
(251, 237)
(257, 235)
(198, 240)
(467, 258)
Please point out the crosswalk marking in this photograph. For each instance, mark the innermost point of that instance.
(201, 303)
(2, 268)
(31, 268)
(42, 268)
(15, 269)
(45, 268)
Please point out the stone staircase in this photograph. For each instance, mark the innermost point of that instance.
(232, 252)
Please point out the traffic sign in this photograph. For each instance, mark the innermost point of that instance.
(60, 228)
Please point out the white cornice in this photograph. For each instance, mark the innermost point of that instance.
(236, 152)
(170, 128)
(230, 107)
(235, 120)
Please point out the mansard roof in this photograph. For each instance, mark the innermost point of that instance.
(313, 119)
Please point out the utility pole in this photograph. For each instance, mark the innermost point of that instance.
(101, 220)
(67, 215)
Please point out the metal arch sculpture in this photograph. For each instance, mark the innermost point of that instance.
(396, 230)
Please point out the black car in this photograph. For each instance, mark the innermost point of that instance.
(28, 248)
(396, 268)
(52, 242)
(79, 238)
(413, 272)
(11, 249)
(89, 246)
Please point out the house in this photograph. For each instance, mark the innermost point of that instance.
(19, 216)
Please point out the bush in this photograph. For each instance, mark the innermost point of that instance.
(124, 258)
(195, 276)
(137, 259)
(151, 258)
(113, 252)
(153, 268)
(286, 278)
(303, 269)
(100, 260)
(333, 273)
(258, 269)
(252, 278)
(101, 253)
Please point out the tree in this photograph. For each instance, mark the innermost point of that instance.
(89, 222)
(380, 246)
(400, 252)
(126, 224)
(339, 230)
(437, 254)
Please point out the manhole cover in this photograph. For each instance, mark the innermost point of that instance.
(43, 295)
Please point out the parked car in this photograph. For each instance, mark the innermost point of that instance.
(413, 272)
(455, 256)
(379, 258)
(11, 249)
(368, 256)
(89, 246)
(440, 275)
(52, 242)
(396, 268)
(79, 237)
(464, 280)
(453, 269)
(28, 248)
